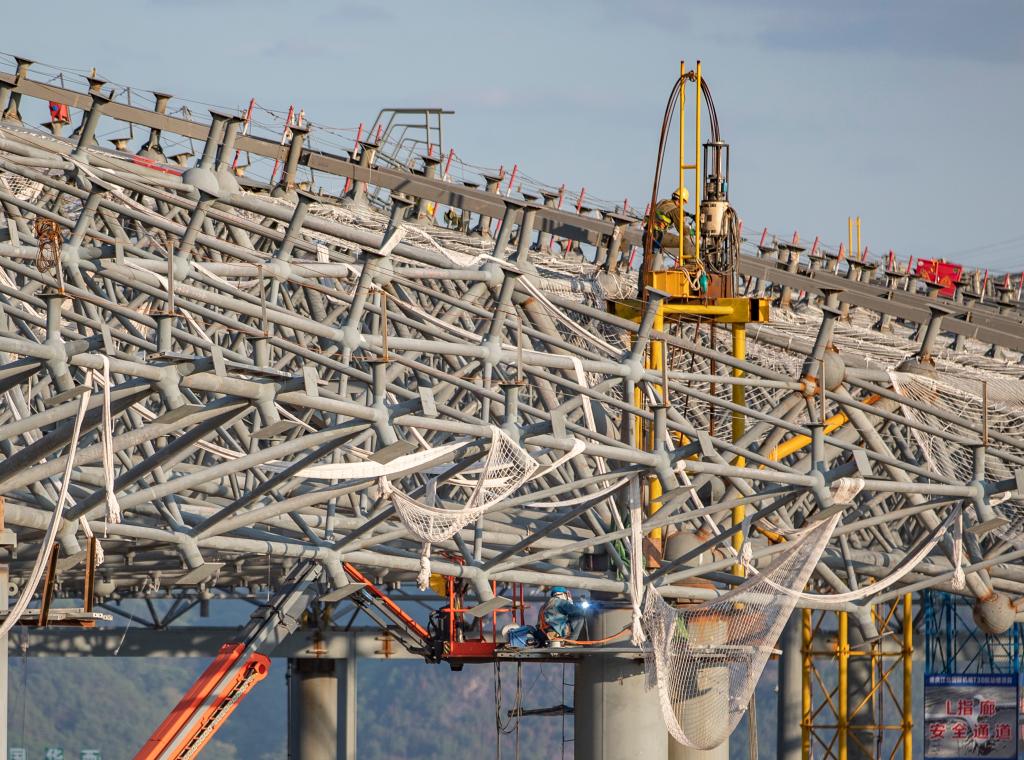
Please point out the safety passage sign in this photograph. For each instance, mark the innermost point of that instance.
(971, 715)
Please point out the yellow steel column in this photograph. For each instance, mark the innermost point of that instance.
(844, 683)
(697, 179)
(739, 351)
(908, 683)
(682, 145)
(805, 721)
(859, 249)
(655, 362)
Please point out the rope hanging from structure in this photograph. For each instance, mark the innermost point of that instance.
(49, 239)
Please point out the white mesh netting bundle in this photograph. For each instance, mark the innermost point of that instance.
(20, 187)
(858, 338)
(505, 469)
(961, 396)
(706, 659)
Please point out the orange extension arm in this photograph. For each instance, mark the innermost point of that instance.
(205, 706)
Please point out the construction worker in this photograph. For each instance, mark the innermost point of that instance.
(561, 617)
(667, 216)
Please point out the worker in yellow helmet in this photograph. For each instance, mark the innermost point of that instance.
(667, 215)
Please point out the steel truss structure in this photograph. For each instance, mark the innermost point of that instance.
(192, 345)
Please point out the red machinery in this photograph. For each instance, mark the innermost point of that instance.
(457, 635)
(472, 634)
(212, 698)
(242, 664)
(942, 272)
(234, 671)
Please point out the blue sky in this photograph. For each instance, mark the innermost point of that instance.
(906, 113)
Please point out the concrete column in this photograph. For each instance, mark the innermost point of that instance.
(291, 161)
(89, 124)
(4, 577)
(465, 222)
(676, 546)
(860, 697)
(616, 717)
(792, 253)
(677, 751)
(790, 705)
(321, 709)
(367, 154)
(348, 701)
(715, 681)
(6, 545)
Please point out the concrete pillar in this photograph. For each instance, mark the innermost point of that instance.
(790, 704)
(6, 545)
(321, 709)
(711, 632)
(291, 161)
(4, 577)
(862, 740)
(465, 222)
(151, 148)
(616, 717)
(715, 683)
(677, 751)
(792, 253)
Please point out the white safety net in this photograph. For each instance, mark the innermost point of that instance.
(706, 659)
(507, 467)
(956, 398)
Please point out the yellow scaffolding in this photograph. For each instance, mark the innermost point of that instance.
(830, 723)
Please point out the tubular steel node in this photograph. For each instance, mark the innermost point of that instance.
(219, 370)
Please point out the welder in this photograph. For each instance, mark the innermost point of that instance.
(561, 618)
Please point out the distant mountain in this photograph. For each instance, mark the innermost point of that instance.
(407, 709)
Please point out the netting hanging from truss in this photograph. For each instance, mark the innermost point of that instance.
(706, 659)
(20, 187)
(961, 396)
(507, 467)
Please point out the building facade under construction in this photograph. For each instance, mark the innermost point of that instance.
(347, 375)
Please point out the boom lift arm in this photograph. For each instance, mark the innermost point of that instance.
(238, 667)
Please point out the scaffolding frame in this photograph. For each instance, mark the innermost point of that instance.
(954, 645)
(828, 714)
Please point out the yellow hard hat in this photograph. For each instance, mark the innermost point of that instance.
(682, 195)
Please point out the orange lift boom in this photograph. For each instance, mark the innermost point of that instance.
(234, 671)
